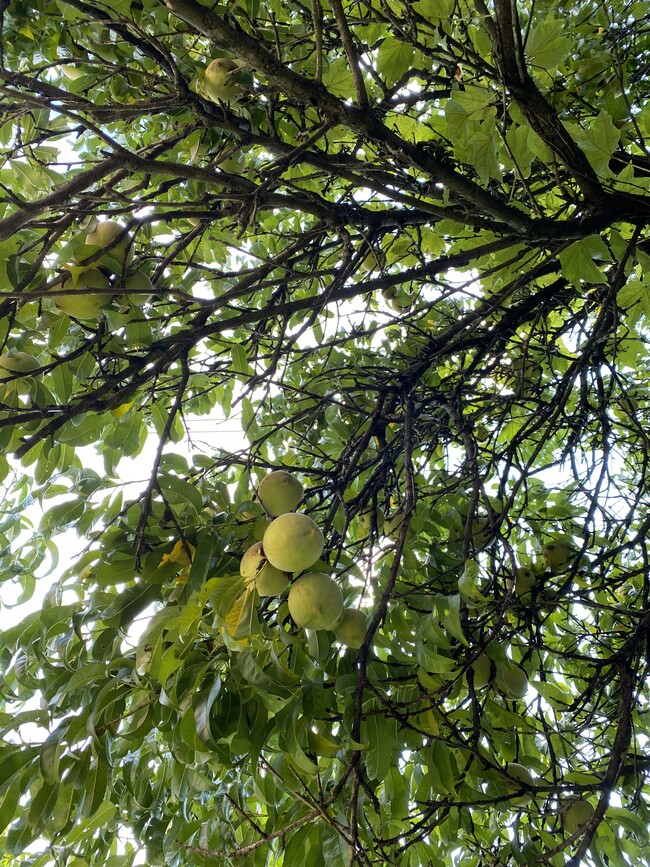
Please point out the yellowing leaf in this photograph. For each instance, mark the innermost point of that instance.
(121, 410)
(238, 620)
(182, 553)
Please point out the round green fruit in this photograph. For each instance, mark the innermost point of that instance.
(519, 776)
(16, 362)
(524, 580)
(220, 80)
(352, 629)
(393, 525)
(256, 569)
(482, 669)
(315, 601)
(293, 542)
(557, 556)
(577, 816)
(77, 303)
(511, 681)
(279, 492)
(369, 516)
(119, 255)
(138, 288)
(401, 302)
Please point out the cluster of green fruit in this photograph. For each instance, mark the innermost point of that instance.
(498, 670)
(292, 543)
(105, 267)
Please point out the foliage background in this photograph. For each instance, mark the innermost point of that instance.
(412, 258)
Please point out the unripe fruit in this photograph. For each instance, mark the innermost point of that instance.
(524, 580)
(315, 601)
(482, 669)
(138, 288)
(119, 255)
(83, 306)
(512, 681)
(279, 492)
(557, 556)
(368, 516)
(256, 569)
(220, 80)
(352, 629)
(577, 816)
(520, 776)
(16, 362)
(293, 542)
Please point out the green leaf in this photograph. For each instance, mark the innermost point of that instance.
(394, 59)
(578, 264)
(599, 142)
(548, 45)
(379, 732)
(82, 430)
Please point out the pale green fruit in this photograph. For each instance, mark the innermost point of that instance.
(256, 569)
(401, 302)
(393, 525)
(482, 669)
(220, 80)
(120, 254)
(519, 775)
(315, 601)
(557, 556)
(577, 816)
(16, 362)
(524, 580)
(366, 519)
(293, 542)
(511, 681)
(138, 282)
(279, 492)
(373, 260)
(352, 629)
(83, 306)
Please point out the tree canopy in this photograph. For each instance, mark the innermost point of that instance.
(403, 244)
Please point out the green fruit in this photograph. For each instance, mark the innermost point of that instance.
(577, 816)
(557, 556)
(82, 306)
(119, 255)
(366, 519)
(511, 681)
(138, 282)
(401, 302)
(315, 601)
(519, 776)
(352, 629)
(482, 669)
(220, 80)
(293, 542)
(524, 580)
(393, 525)
(256, 569)
(16, 362)
(279, 492)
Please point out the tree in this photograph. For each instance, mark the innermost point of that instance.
(405, 245)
